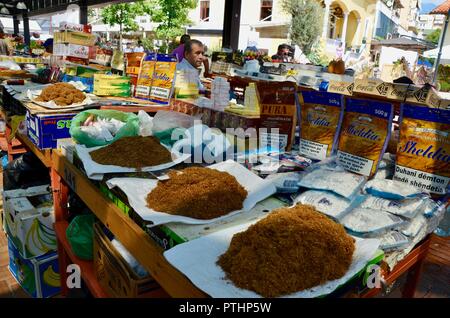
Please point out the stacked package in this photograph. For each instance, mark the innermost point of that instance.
(220, 93)
(112, 85)
(73, 45)
(186, 84)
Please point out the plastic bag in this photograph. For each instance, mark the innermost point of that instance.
(370, 222)
(131, 127)
(343, 183)
(165, 120)
(80, 234)
(328, 203)
(407, 208)
(392, 189)
(24, 172)
(145, 124)
(138, 269)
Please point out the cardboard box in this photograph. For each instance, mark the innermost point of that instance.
(344, 88)
(39, 277)
(113, 273)
(29, 218)
(71, 26)
(74, 37)
(45, 130)
(72, 50)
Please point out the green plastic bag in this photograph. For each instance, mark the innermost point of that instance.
(131, 127)
(80, 234)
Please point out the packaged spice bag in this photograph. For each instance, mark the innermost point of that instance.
(365, 134)
(163, 79)
(278, 114)
(321, 116)
(423, 154)
(134, 61)
(144, 81)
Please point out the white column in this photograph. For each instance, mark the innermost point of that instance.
(326, 19)
(358, 30)
(344, 28)
(377, 17)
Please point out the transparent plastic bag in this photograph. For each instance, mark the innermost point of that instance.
(131, 127)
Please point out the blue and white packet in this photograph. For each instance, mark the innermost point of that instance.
(392, 189)
(343, 183)
(370, 222)
(328, 203)
(415, 225)
(393, 240)
(407, 208)
(285, 182)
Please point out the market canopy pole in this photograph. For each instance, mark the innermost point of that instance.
(441, 44)
(83, 12)
(26, 28)
(231, 23)
(16, 24)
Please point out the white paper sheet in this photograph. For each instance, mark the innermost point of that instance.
(197, 260)
(137, 189)
(96, 171)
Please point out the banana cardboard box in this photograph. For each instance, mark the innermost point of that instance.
(29, 220)
(38, 276)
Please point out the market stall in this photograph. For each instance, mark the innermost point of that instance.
(339, 164)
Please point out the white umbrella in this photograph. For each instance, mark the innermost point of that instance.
(445, 57)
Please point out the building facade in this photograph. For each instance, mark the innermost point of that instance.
(430, 22)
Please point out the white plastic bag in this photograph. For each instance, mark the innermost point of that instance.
(164, 120)
(145, 124)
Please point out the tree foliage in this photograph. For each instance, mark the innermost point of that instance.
(434, 36)
(306, 22)
(172, 16)
(123, 14)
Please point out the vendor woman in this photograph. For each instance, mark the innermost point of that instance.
(193, 59)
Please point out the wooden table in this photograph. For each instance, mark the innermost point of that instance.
(65, 176)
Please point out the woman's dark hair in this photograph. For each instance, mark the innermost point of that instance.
(184, 38)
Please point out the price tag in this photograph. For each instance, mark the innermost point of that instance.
(70, 179)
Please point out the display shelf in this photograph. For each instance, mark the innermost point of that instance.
(86, 267)
(43, 155)
(135, 240)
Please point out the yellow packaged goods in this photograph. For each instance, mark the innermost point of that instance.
(80, 38)
(163, 79)
(321, 116)
(290, 250)
(144, 82)
(423, 153)
(134, 61)
(365, 134)
(111, 85)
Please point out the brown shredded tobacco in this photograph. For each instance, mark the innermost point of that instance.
(63, 94)
(199, 193)
(132, 152)
(290, 250)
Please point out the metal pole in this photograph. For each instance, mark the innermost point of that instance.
(16, 24)
(26, 28)
(441, 44)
